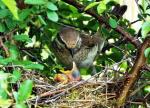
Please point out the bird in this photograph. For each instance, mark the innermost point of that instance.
(74, 47)
(66, 76)
(71, 45)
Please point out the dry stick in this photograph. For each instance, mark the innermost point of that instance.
(135, 73)
(49, 93)
(61, 92)
(102, 20)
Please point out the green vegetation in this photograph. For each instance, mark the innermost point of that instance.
(27, 28)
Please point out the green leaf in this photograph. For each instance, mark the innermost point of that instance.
(145, 29)
(11, 4)
(22, 38)
(83, 71)
(29, 65)
(101, 7)
(42, 20)
(14, 53)
(34, 66)
(52, 16)
(15, 76)
(3, 84)
(10, 23)
(5, 61)
(3, 93)
(25, 91)
(21, 105)
(52, 6)
(147, 88)
(123, 66)
(5, 103)
(24, 14)
(2, 27)
(35, 2)
(4, 13)
(15, 94)
(91, 5)
(147, 52)
(112, 23)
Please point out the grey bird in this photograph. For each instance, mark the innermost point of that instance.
(71, 45)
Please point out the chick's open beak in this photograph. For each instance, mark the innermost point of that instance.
(75, 72)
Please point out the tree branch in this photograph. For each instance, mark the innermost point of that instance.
(102, 20)
(135, 73)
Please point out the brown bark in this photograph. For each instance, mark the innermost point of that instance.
(135, 73)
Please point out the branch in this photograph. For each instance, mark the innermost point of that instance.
(102, 20)
(4, 47)
(140, 62)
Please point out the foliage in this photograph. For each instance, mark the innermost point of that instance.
(27, 28)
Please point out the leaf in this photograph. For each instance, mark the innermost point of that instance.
(4, 13)
(35, 2)
(24, 14)
(141, 8)
(3, 84)
(41, 20)
(83, 71)
(25, 90)
(123, 66)
(15, 76)
(2, 27)
(11, 4)
(5, 61)
(14, 53)
(29, 65)
(52, 6)
(3, 93)
(145, 29)
(34, 66)
(101, 7)
(15, 94)
(22, 38)
(147, 52)
(10, 23)
(5, 103)
(22, 105)
(52, 16)
(91, 5)
(112, 23)
(147, 88)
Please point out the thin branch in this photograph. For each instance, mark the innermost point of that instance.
(4, 47)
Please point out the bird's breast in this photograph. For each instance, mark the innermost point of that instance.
(88, 58)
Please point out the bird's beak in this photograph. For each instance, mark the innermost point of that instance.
(75, 72)
(72, 51)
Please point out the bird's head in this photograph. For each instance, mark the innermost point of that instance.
(70, 37)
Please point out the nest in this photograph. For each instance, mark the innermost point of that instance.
(97, 91)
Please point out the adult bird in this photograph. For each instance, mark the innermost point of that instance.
(73, 46)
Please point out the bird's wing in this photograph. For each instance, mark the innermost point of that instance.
(62, 53)
(91, 41)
